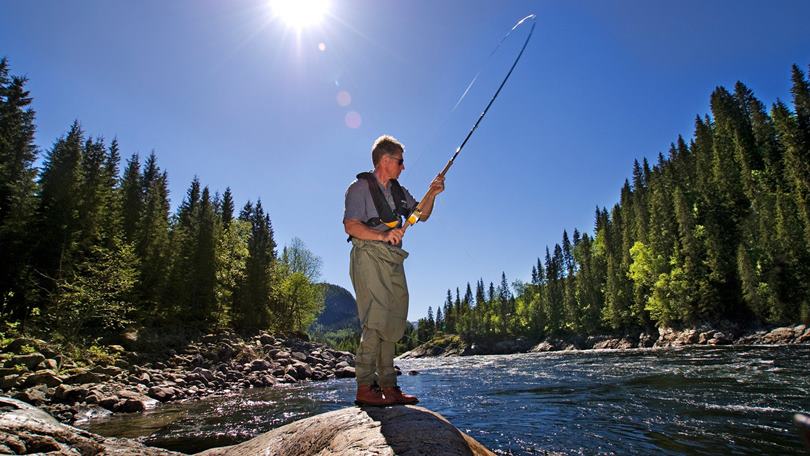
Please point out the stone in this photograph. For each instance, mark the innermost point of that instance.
(783, 335)
(16, 345)
(303, 371)
(85, 377)
(162, 393)
(8, 382)
(132, 406)
(345, 372)
(69, 394)
(378, 431)
(44, 377)
(260, 365)
(33, 396)
(544, 346)
(28, 430)
(299, 356)
(30, 360)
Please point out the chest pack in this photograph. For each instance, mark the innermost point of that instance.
(387, 216)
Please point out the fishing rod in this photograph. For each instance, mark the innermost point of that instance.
(417, 212)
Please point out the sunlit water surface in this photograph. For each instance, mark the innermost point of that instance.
(698, 400)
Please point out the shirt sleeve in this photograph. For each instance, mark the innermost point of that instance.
(410, 199)
(355, 208)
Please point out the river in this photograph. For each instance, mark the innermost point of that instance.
(696, 400)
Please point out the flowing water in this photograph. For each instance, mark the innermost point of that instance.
(697, 400)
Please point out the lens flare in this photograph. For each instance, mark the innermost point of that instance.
(353, 119)
(344, 98)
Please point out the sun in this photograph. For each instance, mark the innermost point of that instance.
(300, 14)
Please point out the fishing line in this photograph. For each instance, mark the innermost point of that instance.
(414, 217)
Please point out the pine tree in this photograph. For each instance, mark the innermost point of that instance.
(226, 211)
(17, 193)
(132, 199)
(57, 227)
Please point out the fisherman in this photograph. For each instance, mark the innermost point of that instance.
(373, 218)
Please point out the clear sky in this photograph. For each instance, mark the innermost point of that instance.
(225, 91)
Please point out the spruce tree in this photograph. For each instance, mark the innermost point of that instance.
(17, 193)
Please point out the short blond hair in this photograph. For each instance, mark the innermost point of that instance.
(385, 145)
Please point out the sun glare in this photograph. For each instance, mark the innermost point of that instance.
(300, 14)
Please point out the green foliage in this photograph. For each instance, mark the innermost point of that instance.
(98, 298)
(719, 229)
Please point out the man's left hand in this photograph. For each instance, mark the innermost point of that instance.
(437, 186)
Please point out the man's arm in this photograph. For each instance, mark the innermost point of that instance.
(357, 229)
(436, 187)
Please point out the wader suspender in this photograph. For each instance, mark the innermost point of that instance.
(387, 216)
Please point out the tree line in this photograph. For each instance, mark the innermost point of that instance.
(716, 230)
(89, 250)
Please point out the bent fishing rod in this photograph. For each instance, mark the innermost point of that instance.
(417, 212)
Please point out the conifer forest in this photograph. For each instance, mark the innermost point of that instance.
(718, 229)
(89, 250)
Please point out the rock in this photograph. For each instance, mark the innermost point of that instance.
(8, 382)
(804, 338)
(132, 406)
(205, 374)
(33, 396)
(162, 393)
(345, 372)
(299, 356)
(779, 336)
(16, 345)
(27, 430)
(30, 360)
(378, 431)
(544, 346)
(260, 365)
(647, 340)
(69, 394)
(413, 372)
(44, 377)
(85, 377)
(110, 371)
(719, 338)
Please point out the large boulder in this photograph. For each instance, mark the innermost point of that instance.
(362, 431)
(24, 429)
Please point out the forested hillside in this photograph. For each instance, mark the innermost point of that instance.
(718, 229)
(89, 250)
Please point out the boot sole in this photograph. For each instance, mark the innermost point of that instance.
(366, 404)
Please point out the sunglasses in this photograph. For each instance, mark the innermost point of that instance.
(398, 160)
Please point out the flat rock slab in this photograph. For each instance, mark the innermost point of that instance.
(400, 430)
(25, 429)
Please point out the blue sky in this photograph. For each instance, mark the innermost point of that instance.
(221, 90)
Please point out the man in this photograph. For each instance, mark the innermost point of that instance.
(375, 208)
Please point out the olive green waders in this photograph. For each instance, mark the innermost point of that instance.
(378, 276)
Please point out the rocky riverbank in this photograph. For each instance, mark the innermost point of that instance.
(724, 334)
(25, 429)
(36, 373)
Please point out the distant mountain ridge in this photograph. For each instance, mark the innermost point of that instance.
(340, 310)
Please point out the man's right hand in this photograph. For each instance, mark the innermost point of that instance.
(394, 236)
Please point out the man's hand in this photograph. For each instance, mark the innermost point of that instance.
(437, 186)
(394, 236)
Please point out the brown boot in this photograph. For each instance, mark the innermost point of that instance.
(396, 394)
(371, 395)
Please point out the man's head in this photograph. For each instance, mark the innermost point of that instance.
(386, 154)
(386, 145)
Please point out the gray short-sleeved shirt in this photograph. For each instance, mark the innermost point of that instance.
(360, 205)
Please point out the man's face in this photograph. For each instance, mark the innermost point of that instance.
(395, 164)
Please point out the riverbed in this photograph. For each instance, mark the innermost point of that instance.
(695, 400)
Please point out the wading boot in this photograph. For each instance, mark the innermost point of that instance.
(400, 398)
(371, 395)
